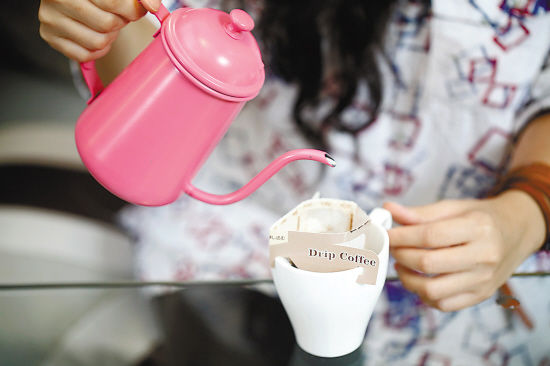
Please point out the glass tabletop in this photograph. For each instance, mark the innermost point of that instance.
(149, 324)
(240, 322)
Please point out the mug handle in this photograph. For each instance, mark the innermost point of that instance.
(89, 71)
(382, 217)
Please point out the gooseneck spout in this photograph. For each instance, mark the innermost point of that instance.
(260, 178)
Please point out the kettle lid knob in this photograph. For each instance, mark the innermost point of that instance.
(240, 21)
(217, 49)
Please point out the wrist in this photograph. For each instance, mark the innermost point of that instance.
(528, 223)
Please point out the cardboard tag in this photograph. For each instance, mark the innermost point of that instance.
(327, 252)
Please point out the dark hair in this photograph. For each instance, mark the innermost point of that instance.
(292, 33)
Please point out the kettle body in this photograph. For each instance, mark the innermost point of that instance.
(151, 129)
(146, 134)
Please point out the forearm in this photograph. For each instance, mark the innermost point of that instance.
(532, 146)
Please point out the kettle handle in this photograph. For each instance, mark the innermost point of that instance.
(161, 13)
(261, 177)
(91, 78)
(89, 71)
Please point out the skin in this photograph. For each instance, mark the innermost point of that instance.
(457, 253)
(453, 253)
(85, 30)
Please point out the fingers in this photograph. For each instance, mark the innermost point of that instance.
(151, 5)
(401, 214)
(78, 29)
(431, 289)
(128, 9)
(434, 235)
(80, 34)
(453, 254)
(74, 50)
(88, 14)
(446, 292)
(428, 213)
(458, 302)
(447, 260)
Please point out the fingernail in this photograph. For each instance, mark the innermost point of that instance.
(151, 5)
(396, 205)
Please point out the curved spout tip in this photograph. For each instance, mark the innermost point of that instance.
(330, 161)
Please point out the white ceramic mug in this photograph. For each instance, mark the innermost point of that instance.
(329, 312)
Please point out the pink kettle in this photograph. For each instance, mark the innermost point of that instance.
(145, 135)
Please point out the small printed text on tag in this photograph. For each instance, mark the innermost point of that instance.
(326, 254)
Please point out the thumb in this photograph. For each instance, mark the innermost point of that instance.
(151, 5)
(414, 215)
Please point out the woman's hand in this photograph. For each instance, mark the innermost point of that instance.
(455, 254)
(84, 30)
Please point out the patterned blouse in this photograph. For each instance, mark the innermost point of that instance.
(459, 84)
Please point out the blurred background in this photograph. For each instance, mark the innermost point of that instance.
(57, 224)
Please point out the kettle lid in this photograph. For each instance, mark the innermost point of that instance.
(217, 49)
